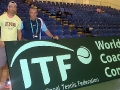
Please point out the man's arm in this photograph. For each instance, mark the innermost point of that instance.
(48, 33)
(2, 43)
(19, 34)
(44, 28)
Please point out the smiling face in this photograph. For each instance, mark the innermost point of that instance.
(33, 13)
(12, 7)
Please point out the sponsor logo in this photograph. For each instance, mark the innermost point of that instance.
(83, 54)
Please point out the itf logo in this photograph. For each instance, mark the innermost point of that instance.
(84, 55)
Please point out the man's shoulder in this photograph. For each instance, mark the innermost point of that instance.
(18, 18)
(3, 15)
(40, 20)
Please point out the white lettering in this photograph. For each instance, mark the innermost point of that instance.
(100, 45)
(25, 73)
(63, 67)
(112, 72)
(43, 64)
(101, 58)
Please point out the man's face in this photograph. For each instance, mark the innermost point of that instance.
(33, 13)
(12, 9)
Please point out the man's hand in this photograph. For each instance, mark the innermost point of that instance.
(55, 37)
(2, 44)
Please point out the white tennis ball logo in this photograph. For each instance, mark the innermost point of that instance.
(84, 55)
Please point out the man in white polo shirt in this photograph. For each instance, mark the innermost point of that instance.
(33, 26)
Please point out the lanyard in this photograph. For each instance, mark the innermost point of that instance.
(32, 27)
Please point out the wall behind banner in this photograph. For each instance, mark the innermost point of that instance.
(115, 4)
(112, 3)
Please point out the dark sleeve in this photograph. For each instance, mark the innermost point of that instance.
(23, 31)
